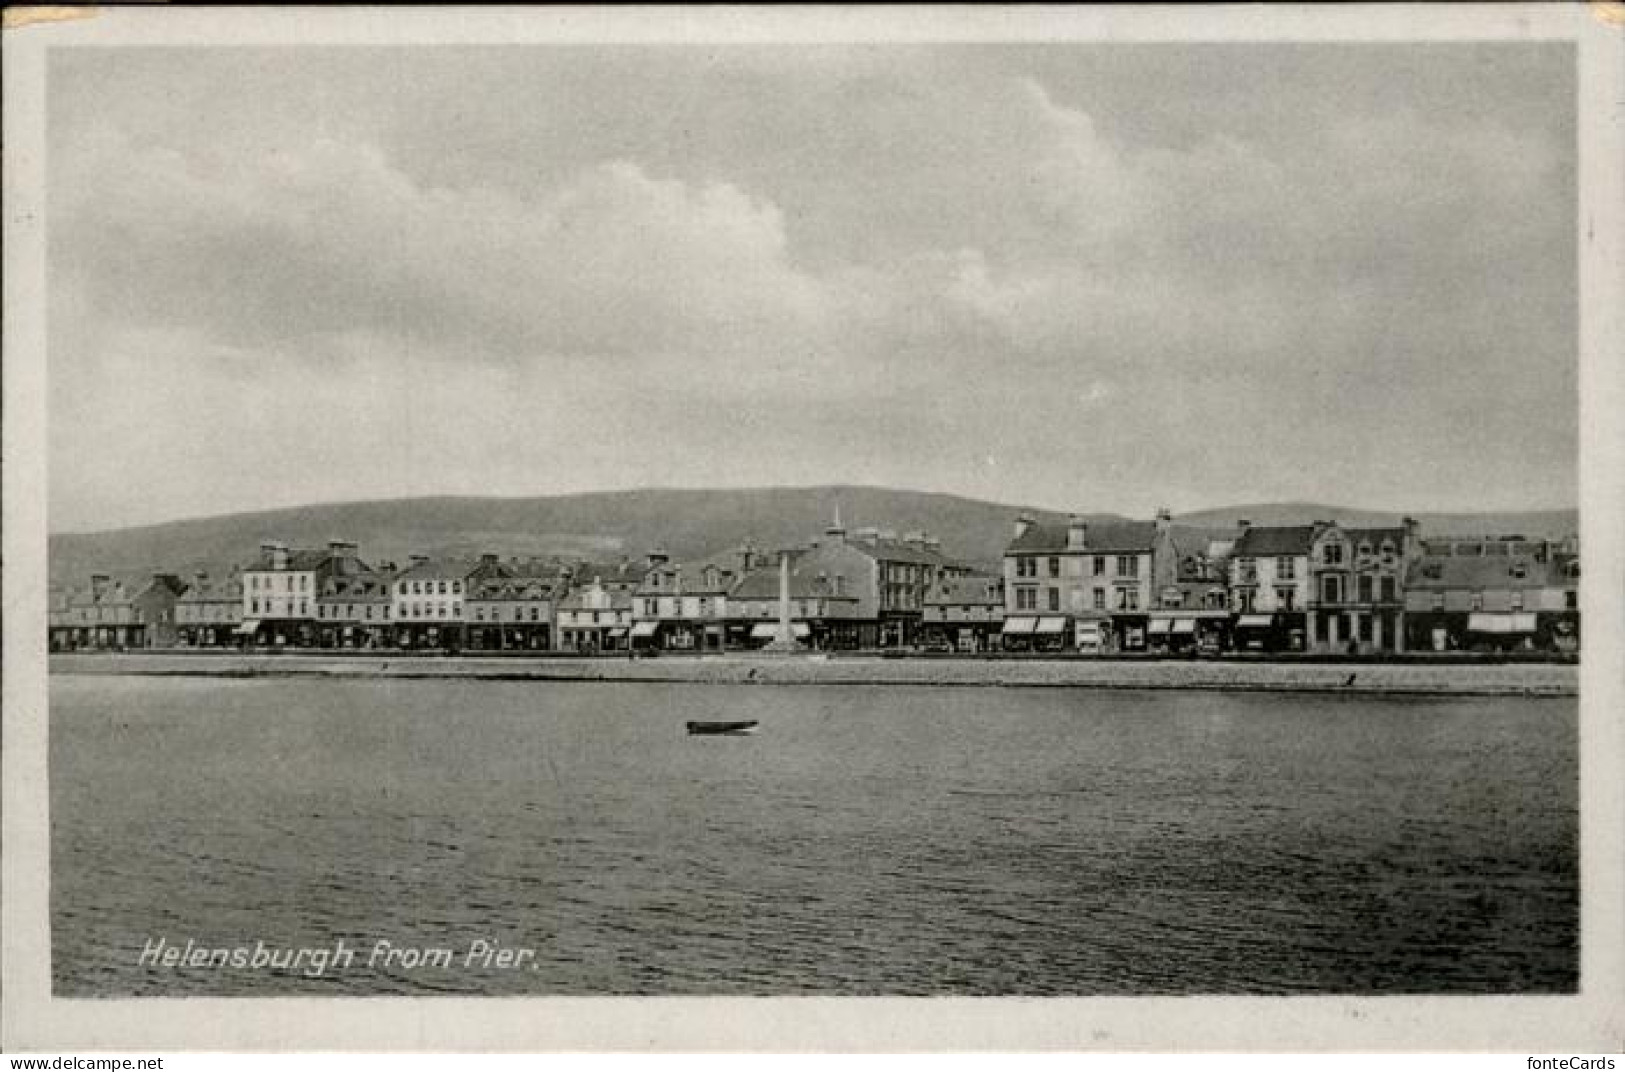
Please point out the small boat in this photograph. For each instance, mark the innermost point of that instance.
(722, 728)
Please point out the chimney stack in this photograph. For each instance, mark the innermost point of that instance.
(98, 585)
(1165, 518)
(658, 557)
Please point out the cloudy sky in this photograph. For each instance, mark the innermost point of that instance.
(1083, 277)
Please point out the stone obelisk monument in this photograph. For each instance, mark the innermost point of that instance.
(785, 638)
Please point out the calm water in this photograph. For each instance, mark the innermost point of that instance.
(867, 841)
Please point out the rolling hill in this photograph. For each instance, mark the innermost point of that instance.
(686, 523)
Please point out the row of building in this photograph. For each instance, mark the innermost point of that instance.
(1083, 585)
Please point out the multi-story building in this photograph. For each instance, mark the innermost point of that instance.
(823, 609)
(1502, 593)
(430, 600)
(355, 603)
(684, 606)
(1086, 583)
(208, 613)
(595, 616)
(513, 609)
(1270, 586)
(1357, 587)
(279, 594)
(1193, 610)
(965, 612)
(116, 614)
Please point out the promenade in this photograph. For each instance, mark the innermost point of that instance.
(1385, 678)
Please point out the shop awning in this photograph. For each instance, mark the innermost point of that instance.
(763, 631)
(1089, 628)
(617, 632)
(1158, 626)
(1018, 625)
(248, 628)
(1501, 623)
(645, 629)
(800, 629)
(1050, 625)
(1184, 626)
(1255, 621)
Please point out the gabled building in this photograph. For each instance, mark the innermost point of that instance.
(684, 606)
(1357, 586)
(116, 614)
(355, 603)
(596, 615)
(1087, 584)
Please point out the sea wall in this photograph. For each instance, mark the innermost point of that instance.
(1465, 679)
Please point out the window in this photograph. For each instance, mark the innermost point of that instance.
(1026, 599)
(1365, 620)
(1054, 599)
(1286, 568)
(1332, 554)
(1100, 594)
(1026, 567)
(442, 587)
(1128, 565)
(1478, 600)
(369, 612)
(401, 589)
(1285, 598)
(479, 614)
(1365, 552)
(1331, 589)
(256, 604)
(1571, 600)
(1054, 566)
(651, 607)
(1388, 552)
(1518, 570)
(440, 608)
(417, 588)
(1366, 589)
(303, 608)
(1389, 590)
(535, 614)
(1517, 601)
(456, 608)
(304, 582)
(1128, 599)
(1100, 565)
(1438, 601)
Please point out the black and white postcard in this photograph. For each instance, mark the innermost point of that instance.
(660, 516)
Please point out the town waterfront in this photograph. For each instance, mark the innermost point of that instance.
(877, 839)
